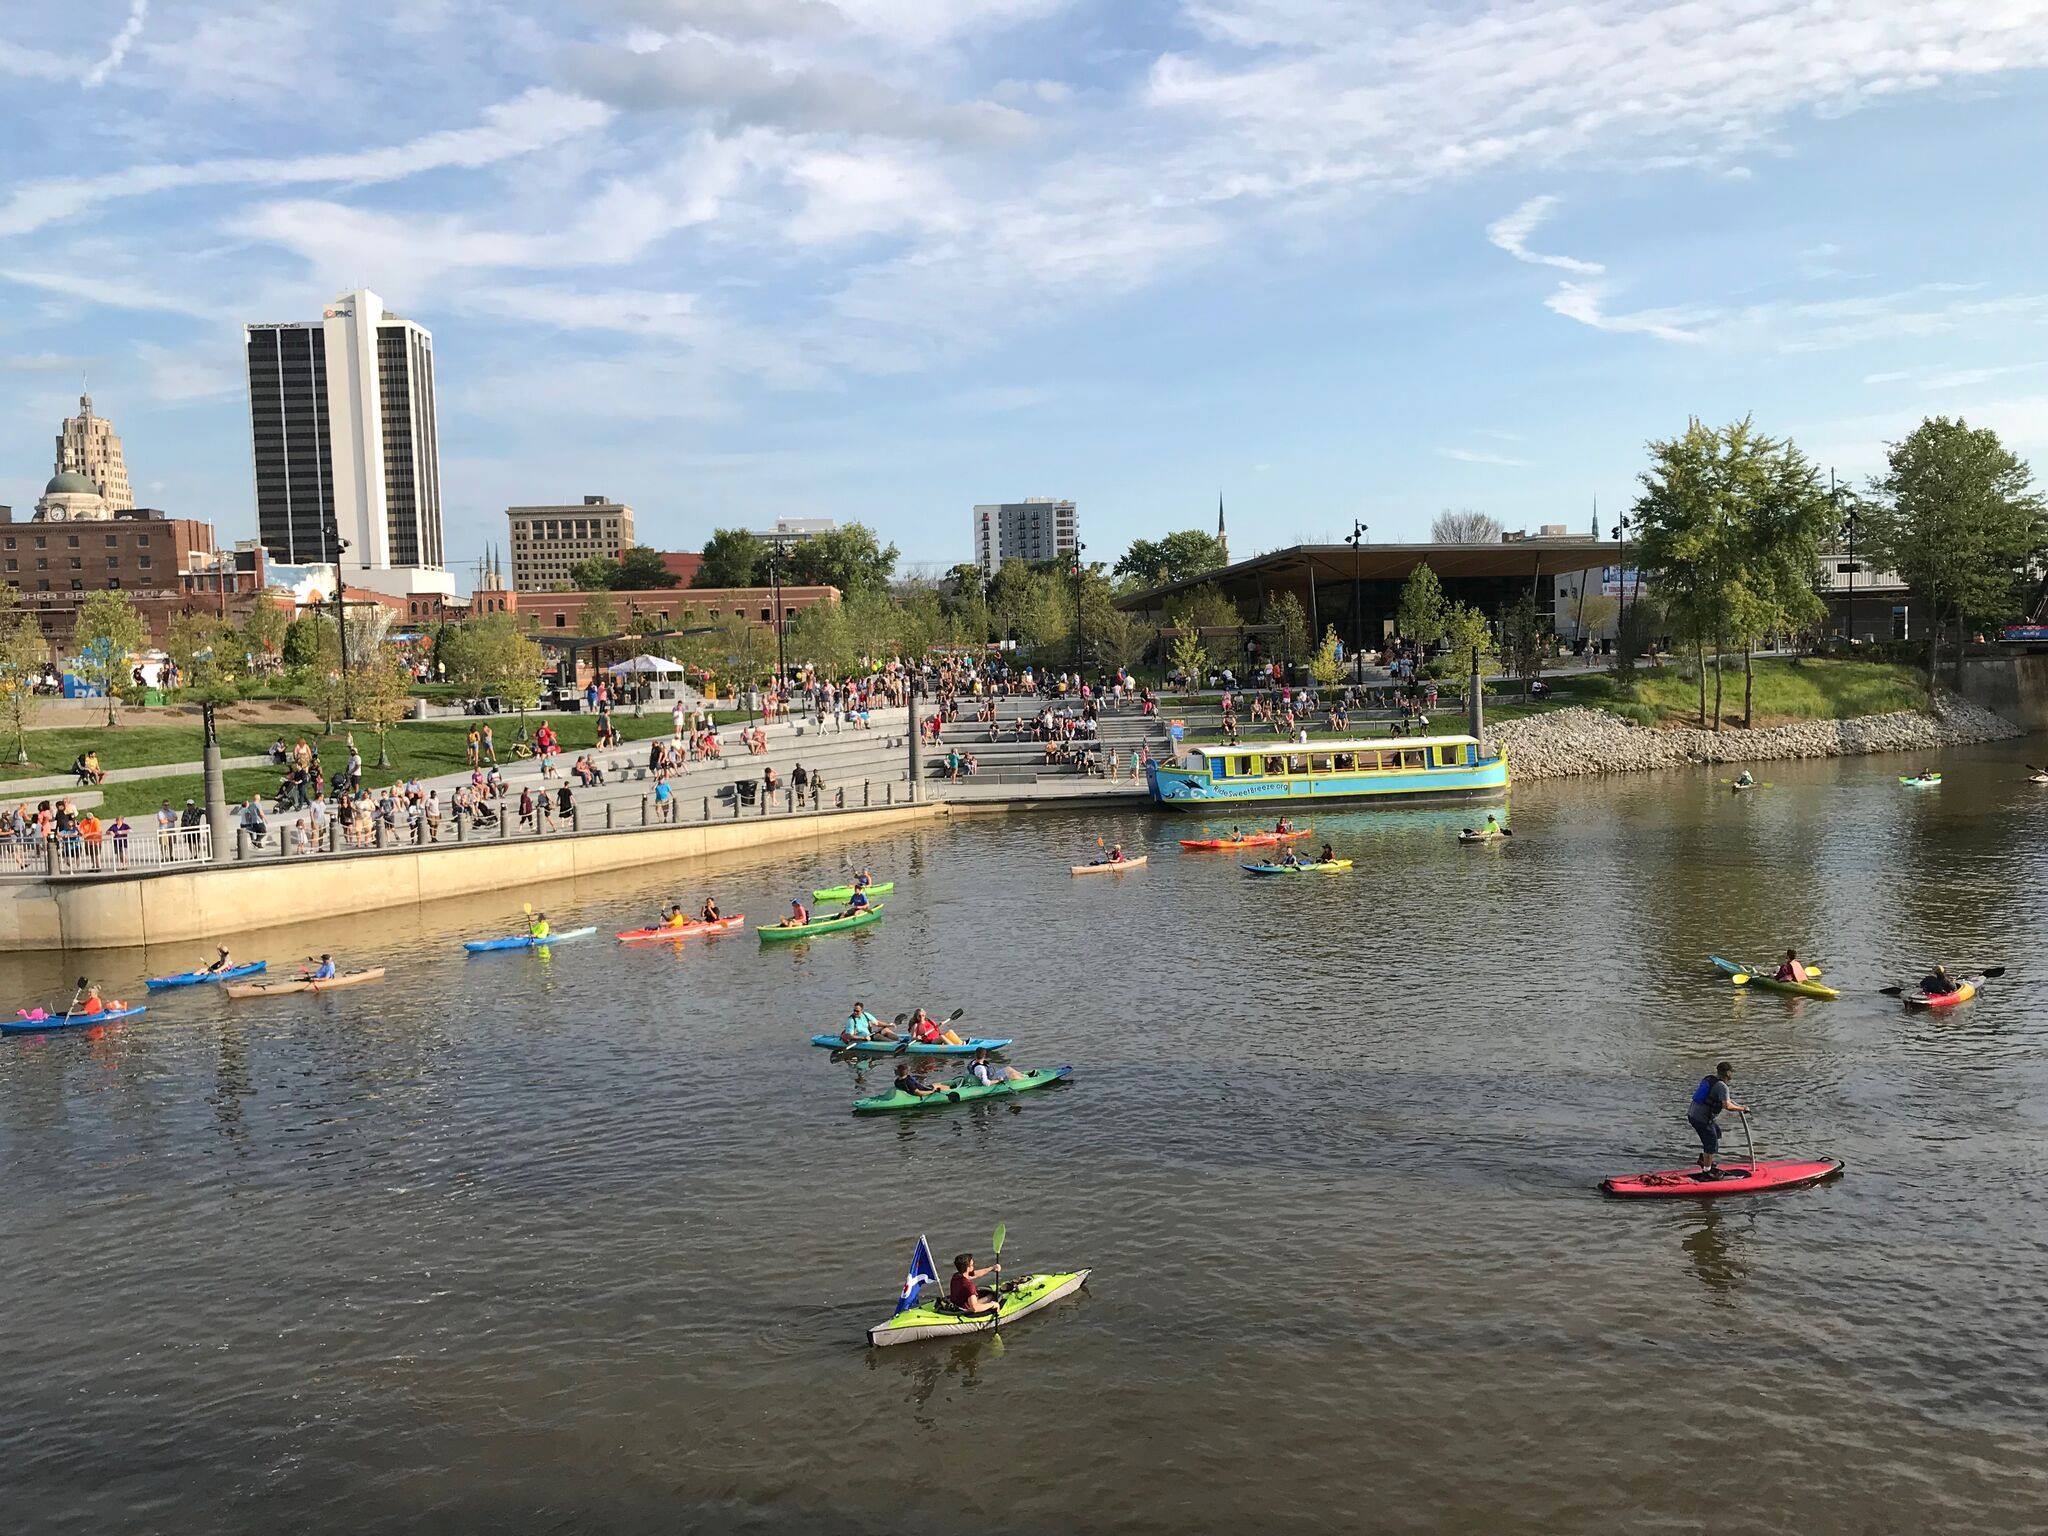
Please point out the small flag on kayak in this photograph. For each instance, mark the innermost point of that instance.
(923, 1272)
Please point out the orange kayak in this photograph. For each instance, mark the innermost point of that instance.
(1255, 840)
(632, 935)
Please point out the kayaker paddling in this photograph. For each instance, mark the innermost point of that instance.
(221, 962)
(1328, 855)
(862, 1025)
(964, 1295)
(926, 1030)
(1790, 969)
(907, 1081)
(1745, 780)
(1708, 1100)
(324, 971)
(1939, 983)
(1283, 826)
(672, 916)
(538, 928)
(857, 902)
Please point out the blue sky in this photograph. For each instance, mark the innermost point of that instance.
(883, 259)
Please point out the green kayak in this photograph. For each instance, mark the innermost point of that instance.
(845, 892)
(1017, 1298)
(776, 931)
(960, 1093)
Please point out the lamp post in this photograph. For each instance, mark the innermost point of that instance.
(1620, 586)
(1355, 539)
(1849, 522)
(341, 629)
(775, 577)
(1079, 550)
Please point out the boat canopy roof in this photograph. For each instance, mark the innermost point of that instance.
(1331, 744)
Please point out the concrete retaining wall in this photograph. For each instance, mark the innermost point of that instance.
(197, 903)
(2013, 686)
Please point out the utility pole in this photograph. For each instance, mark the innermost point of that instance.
(1620, 590)
(1835, 495)
(341, 630)
(1079, 550)
(775, 577)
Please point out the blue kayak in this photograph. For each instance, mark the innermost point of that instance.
(201, 978)
(58, 1021)
(526, 941)
(891, 1047)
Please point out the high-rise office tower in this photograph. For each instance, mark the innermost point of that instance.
(1039, 528)
(87, 446)
(341, 416)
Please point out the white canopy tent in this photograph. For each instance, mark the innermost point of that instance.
(644, 664)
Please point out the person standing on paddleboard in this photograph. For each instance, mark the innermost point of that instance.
(1708, 1100)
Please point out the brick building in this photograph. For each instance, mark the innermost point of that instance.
(53, 565)
(547, 613)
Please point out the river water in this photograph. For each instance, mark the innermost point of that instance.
(588, 1242)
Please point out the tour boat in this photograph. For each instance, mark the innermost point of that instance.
(1393, 767)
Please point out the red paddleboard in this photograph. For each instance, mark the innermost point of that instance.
(1730, 1179)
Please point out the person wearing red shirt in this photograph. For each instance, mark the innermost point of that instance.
(961, 1290)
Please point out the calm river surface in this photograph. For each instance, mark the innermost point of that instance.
(589, 1242)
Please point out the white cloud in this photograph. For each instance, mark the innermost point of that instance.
(1948, 378)
(118, 45)
(175, 377)
(518, 127)
(1511, 233)
(1482, 456)
(110, 292)
(1586, 303)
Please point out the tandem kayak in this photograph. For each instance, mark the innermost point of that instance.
(845, 892)
(892, 1047)
(1964, 991)
(1252, 840)
(24, 1025)
(526, 941)
(1319, 867)
(306, 983)
(778, 932)
(1108, 866)
(1729, 1179)
(201, 978)
(1016, 1298)
(1770, 983)
(686, 930)
(963, 1092)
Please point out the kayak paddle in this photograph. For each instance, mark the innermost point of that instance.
(957, 1015)
(995, 1318)
(1743, 978)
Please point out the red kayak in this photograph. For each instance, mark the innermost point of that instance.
(632, 935)
(1256, 840)
(1729, 1179)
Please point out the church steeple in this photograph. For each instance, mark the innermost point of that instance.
(1222, 538)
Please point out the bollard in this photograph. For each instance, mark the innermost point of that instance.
(889, 793)
(707, 807)
(380, 831)
(504, 821)
(283, 844)
(643, 810)
(789, 802)
(866, 792)
(461, 829)
(608, 815)
(763, 798)
(241, 844)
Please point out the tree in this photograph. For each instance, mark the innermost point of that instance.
(383, 694)
(264, 633)
(823, 635)
(1120, 638)
(1205, 607)
(1955, 513)
(1525, 631)
(599, 618)
(1190, 658)
(1421, 614)
(733, 557)
(599, 573)
(1464, 527)
(489, 656)
(1731, 521)
(23, 655)
(849, 558)
(1046, 619)
(208, 656)
(1465, 631)
(1177, 557)
(108, 634)
(640, 570)
(302, 640)
(1326, 666)
(1286, 611)
(319, 669)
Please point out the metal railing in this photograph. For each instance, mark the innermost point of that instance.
(72, 853)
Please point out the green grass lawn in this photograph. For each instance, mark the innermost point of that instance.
(1812, 689)
(418, 748)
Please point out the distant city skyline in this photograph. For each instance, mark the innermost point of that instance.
(878, 259)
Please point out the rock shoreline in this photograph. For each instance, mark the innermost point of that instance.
(1578, 740)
